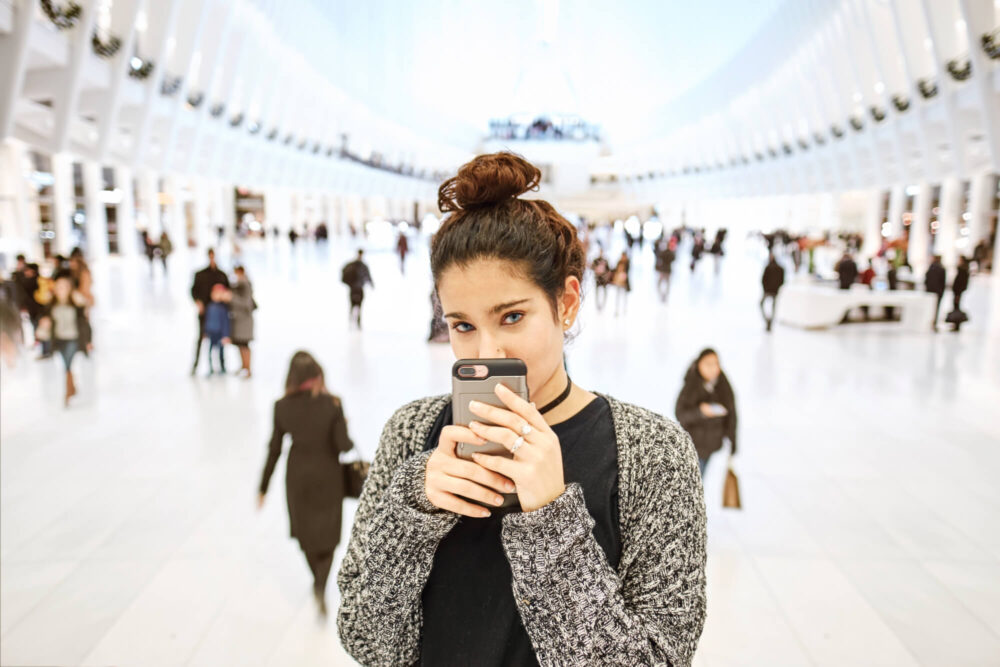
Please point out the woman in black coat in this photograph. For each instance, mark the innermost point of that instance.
(314, 483)
(706, 407)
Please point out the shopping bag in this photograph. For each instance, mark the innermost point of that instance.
(731, 491)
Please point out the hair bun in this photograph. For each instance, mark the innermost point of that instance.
(487, 180)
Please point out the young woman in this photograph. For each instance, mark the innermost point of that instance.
(64, 323)
(706, 407)
(314, 483)
(604, 560)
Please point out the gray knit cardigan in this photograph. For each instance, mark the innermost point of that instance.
(576, 608)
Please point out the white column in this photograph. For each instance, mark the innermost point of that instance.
(14, 219)
(920, 233)
(947, 231)
(149, 195)
(128, 237)
(97, 218)
(14, 55)
(994, 323)
(872, 229)
(202, 217)
(897, 199)
(228, 213)
(173, 223)
(979, 206)
(62, 204)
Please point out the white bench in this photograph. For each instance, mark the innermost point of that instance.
(819, 307)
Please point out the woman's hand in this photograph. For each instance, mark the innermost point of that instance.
(710, 412)
(449, 477)
(537, 467)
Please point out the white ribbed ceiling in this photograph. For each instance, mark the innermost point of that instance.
(445, 67)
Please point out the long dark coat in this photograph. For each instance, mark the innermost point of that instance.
(706, 432)
(314, 483)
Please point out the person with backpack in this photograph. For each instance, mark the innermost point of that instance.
(356, 275)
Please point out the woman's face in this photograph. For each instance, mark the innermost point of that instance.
(709, 368)
(495, 312)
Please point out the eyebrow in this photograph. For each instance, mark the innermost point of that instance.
(493, 311)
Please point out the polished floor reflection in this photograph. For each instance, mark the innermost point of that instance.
(129, 534)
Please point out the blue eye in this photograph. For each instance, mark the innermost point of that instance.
(508, 316)
(460, 327)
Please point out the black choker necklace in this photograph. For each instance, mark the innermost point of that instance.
(560, 398)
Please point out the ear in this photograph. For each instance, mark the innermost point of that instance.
(569, 301)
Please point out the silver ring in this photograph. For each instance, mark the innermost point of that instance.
(517, 444)
(526, 429)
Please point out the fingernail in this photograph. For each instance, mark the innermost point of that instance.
(509, 487)
(484, 513)
(498, 500)
(474, 405)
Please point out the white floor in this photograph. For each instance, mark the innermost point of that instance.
(129, 535)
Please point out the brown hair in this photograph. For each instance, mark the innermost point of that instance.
(304, 369)
(488, 220)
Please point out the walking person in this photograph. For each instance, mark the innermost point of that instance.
(314, 484)
(83, 282)
(602, 276)
(665, 255)
(402, 248)
(150, 248)
(165, 246)
(706, 407)
(26, 282)
(241, 307)
(697, 249)
(201, 291)
(934, 282)
(64, 323)
(772, 280)
(958, 286)
(620, 279)
(600, 557)
(356, 275)
(847, 271)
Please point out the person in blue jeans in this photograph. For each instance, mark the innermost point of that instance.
(217, 325)
(64, 323)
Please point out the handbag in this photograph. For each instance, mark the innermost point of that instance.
(731, 491)
(956, 317)
(355, 473)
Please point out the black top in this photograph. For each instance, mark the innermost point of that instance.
(961, 282)
(773, 278)
(847, 270)
(356, 275)
(205, 280)
(935, 278)
(470, 617)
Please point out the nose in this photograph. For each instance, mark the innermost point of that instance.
(489, 348)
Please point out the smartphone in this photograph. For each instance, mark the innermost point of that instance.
(718, 409)
(475, 380)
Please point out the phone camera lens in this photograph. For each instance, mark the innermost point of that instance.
(466, 371)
